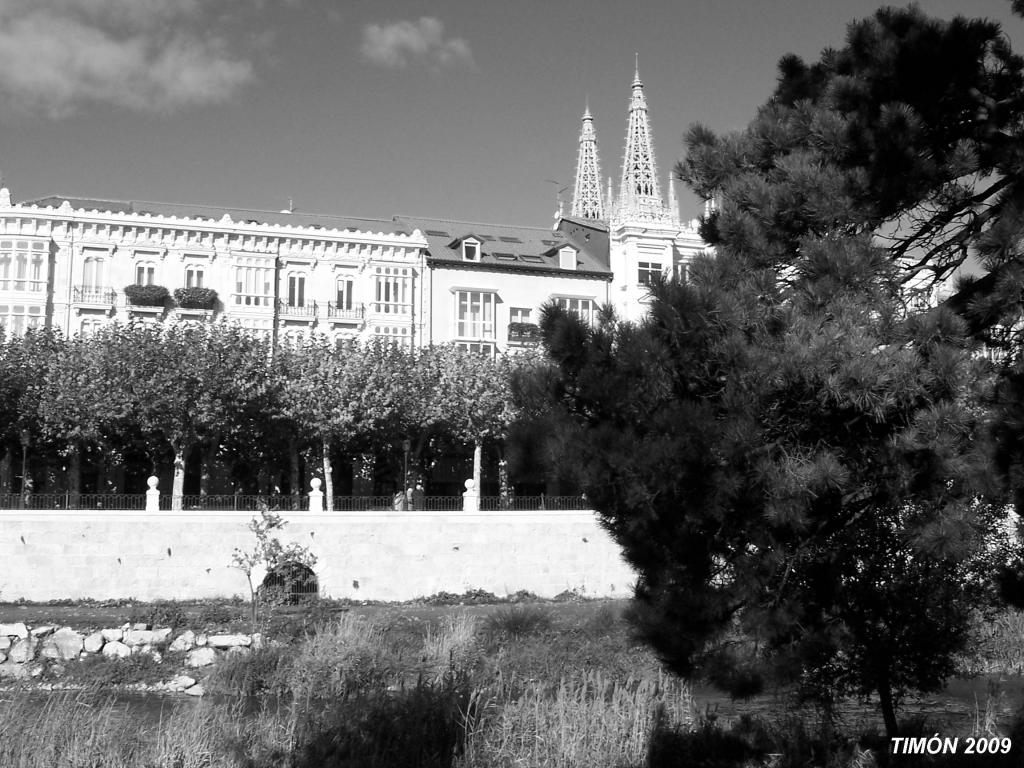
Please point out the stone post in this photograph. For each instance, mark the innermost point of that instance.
(471, 498)
(153, 495)
(316, 496)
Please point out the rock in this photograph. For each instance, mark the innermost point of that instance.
(35, 670)
(229, 641)
(13, 671)
(201, 639)
(112, 635)
(94, 642)
(3, 657)
(5, 642)
(257, 640)
(186, 641)
(195, 690)
(181, 682)
(160, 635)
(200, 657)
(23, 651)
(14, 630)
(139, 637)
(116, 649)
(63, 644)
(238, 650)
(140, 626)
(43, 631)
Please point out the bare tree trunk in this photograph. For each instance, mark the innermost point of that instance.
(478, 454)
(74, 476)
(328, 477)
(295, 476)
(504, 491)
(888, 707)
(178, 488)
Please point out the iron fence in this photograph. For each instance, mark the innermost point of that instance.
(283, 503)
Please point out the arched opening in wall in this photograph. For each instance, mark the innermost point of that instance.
(290, 584)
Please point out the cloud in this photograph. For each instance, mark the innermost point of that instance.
(414, 42)
(144, 55)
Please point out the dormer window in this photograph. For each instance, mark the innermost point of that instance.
(471, 249)
(567, 257)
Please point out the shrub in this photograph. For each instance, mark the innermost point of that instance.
(218, 614)
(146, 295)
(518, 622)
(195, 298)
(163, 613)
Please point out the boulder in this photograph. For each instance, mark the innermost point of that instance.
(180, 683)
(186, 641)
(23, 651)
(200, 657)
(229, 641)
(116, 649)
(17, 629)
(139, 637)
(111, 635)
(5, 642)
(195, 690)
(160, 635)
(257, 640)
(238, 650)
(3, 657)
(94, 642)
(201, 639)
(63, 644)
(140, 626)
(11, 670)
(43, 630)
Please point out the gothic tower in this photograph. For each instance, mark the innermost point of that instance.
(586, 198)
(639, 196)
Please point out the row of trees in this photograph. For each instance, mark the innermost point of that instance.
(168, 392)
(809, 469)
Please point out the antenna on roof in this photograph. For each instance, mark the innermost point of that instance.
(291, 206)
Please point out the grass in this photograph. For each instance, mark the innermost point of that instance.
(472, 687)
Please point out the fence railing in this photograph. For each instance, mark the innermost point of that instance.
(283, 503)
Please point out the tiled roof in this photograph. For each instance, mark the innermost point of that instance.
(505, 247)
(238, 215)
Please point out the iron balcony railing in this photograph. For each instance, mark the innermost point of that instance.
(90, 294)
(354, 313)
(296, 310)
(282, 502)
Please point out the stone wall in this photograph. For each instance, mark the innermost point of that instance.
(46, 555)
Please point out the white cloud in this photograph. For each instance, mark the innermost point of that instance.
(414, 42)
(145, 55)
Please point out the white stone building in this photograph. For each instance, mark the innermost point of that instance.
(65, 262)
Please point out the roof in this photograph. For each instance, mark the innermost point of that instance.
(215, 213)
(507, 248)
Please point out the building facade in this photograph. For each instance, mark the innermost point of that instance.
(70, 263)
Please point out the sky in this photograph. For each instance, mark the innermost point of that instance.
(461, 109)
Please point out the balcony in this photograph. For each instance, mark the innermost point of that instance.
(306, 312)
(340, 316)
(523, 334)
(93, 297)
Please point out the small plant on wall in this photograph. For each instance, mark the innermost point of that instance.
(269, 556)
(146, 295)
(195, 298)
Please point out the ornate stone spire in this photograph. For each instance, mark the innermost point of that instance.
(639, 196)
(586, 198)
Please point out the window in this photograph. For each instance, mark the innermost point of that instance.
(471, 250)
(253, 282)
(296, 290)
(484, 348)
(681, 271)
(393, 290)
(520, 315)
(474, 313)
(90, 325)
(345, 287)
(16, 319)
(567, 258)
(646, 270)
(145, 273)
(193, 277)
(23, 266)
(93, 269)
(582, 307)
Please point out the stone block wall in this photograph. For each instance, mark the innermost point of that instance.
(47, 555)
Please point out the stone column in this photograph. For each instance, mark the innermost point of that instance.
(153, 494)
(316, 496)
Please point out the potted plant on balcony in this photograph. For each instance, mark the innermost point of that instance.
(195, 298)
(146, 295)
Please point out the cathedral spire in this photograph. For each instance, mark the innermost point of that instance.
(639, 196)
(586, 198)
